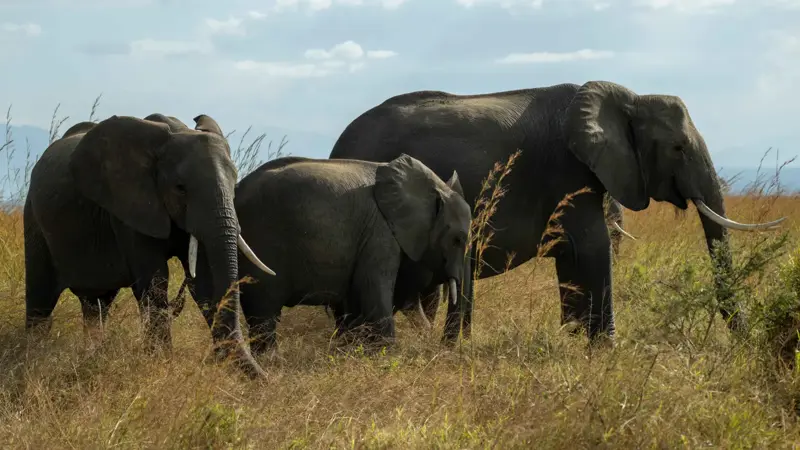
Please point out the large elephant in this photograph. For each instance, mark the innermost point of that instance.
(345, 234)
(110, 203)
(599, 135)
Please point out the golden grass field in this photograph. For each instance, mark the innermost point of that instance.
(675, 380)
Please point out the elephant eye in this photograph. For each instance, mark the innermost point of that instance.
(181, 189)
(678, 148)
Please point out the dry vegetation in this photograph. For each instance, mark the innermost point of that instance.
(677, 378)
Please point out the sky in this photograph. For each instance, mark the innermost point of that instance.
(311, 66)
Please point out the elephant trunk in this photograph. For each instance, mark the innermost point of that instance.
(721, 258)
(221, 243)
(459, 303)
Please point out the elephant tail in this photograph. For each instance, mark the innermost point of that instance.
(179, 301)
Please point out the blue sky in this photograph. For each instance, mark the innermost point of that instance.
(311, 66)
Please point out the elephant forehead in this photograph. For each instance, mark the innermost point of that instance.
(459, 210)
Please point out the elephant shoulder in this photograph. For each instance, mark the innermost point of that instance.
(279, 163)
(258, 174)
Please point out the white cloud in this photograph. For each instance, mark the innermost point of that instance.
(551, 57)
(381, 54)
(256, 15)
(28, 29)
(392, 4)
(505, 4)
(679, 6)
(285, 69)
(319, 5)
(686, 6)
(162, 49)
(231, 25)
(345, 50)
(347, 56)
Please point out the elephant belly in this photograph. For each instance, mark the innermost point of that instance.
(87, 256)
(513, 243)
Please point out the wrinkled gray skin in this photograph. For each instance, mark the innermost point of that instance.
(110, 203)
(613, 213)
(338, 233)
(599, 135)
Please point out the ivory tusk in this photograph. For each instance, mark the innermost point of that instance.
(252, 256)
(728, 223)
(453, 291)
(619, 228)
(192, 255)
(421, 312)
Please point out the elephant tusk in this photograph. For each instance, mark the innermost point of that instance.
(252, 256)
(453, 292)
(619, 228)
(728, 223)
(192, 255)
(425, 322)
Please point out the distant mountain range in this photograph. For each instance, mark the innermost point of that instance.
(317, 145)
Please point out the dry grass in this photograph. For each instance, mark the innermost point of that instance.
(677, 378)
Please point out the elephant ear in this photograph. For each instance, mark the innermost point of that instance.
(206, 123)
(407, 195)
(455, 184)
(78, 128)
(598, 126)
(114, 166)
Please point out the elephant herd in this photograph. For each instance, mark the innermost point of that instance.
(378, 227)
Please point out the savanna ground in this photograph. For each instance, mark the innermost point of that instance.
(676, 379)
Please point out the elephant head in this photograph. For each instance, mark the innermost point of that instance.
(646, 146)
(149, 178)
(429, 218)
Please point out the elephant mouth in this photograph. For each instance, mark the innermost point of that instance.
(240, 243)
(453, 290)
(676, 197)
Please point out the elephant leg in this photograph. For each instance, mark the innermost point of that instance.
(95, 315)
(262, 318)
(41, 283)
(151, 293)
(584, 277)
(373, 289)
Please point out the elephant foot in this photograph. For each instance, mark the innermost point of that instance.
(38, 327)
(573, 327)
(247, 364)
(241, 358)
(602, 342)
(93, 336)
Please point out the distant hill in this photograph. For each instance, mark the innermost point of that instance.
(315, 145)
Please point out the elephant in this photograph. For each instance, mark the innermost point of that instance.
(599, 135)
(346, 234)
(110, 203)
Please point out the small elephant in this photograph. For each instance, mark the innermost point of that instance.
(340, 231)
(110, 203)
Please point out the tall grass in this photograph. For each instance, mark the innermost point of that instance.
(676, 378)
